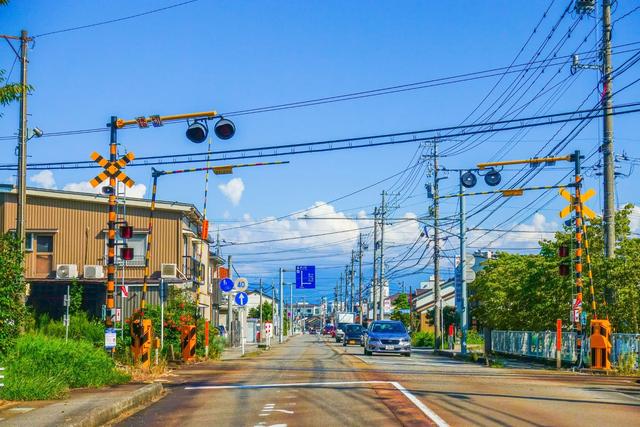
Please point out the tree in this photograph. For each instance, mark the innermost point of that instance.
(525, 292)
(401, 303)
(12, 291)
(267, 312)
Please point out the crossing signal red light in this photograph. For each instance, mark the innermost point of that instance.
(563, 252)
(224, 129)
(126, 254)
(126, 232)
(197, 132)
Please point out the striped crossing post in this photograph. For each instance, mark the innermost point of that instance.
(579, 227)
(111, 232)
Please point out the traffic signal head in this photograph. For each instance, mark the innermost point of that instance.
(492, 178)
(224, 129)
(563, 252)
(468, 179)
(197, 132)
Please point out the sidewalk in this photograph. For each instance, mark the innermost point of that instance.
(84, 407)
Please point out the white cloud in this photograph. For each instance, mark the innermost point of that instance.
(521, 235)
(44, 179)
(137, 191)
(233, 190)
(334, 233)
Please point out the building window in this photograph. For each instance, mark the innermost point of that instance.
(29, 242)
(44, 244)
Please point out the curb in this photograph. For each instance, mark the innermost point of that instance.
(100, 416)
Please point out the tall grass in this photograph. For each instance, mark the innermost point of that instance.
(42, 367)
(80, 328)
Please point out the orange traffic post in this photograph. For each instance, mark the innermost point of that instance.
(600, 344)
(188, 342)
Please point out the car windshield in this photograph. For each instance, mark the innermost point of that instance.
(388, 328)
(354, 328)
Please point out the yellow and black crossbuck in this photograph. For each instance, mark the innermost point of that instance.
(112, 169)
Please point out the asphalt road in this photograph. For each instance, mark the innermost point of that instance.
(310, 381)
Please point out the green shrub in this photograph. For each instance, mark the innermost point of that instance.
(627, 364)
(42, 367)
(422, 339)
(473, 337)
(80, 328)
(217, 345)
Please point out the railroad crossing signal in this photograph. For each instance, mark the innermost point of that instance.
(586, 211)
(112, 169)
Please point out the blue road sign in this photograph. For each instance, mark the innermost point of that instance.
(242, 298)
(226, 285)
(305, 277)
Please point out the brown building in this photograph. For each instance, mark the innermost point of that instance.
(66, 241)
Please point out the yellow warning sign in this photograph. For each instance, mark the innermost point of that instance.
(586, 211)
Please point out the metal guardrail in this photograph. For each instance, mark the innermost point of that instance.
(542, 345)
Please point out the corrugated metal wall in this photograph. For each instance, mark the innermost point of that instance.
(80, 237)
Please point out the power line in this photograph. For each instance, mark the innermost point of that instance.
(111, 21)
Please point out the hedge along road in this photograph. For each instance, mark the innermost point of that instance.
(303, 382)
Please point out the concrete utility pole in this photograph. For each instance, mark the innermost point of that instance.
(360, 277)
(464, 316)
(274, 310)
(436, 250)
(291, 309)
(22, 144)
(353, 256)
(229, 300)
(374, 281)
(383, 212)
(607, 133)
(280, 311)
(340, 294)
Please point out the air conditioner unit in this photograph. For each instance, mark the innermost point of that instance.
(168, 271)
(93, 272)
(66, 271)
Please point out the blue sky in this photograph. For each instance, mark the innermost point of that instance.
(234, 55)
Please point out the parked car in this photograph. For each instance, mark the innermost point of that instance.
(352, 334)
(387, 336)
(339, 335)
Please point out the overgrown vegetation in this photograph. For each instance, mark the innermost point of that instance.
(42, 367)
(422, 339)
(12, 291)
(525, 292)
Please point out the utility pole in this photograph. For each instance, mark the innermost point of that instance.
(382, 216)
(273, 305)
(291, 309)
(464, 317)
(229, 300)
(374, 281)
(607, 142)
(340, 294)
(22, 144)
(281, 322)
(360, 276)
(436, 250)
(353, 256)
(261, 326)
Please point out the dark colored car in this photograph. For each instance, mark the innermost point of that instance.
(387, 336)
(327, 330)
(352, 334)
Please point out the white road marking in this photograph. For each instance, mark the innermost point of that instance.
(334, 383)
(284, 411)
(412, 398)
(21, 409)
(424, 408)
